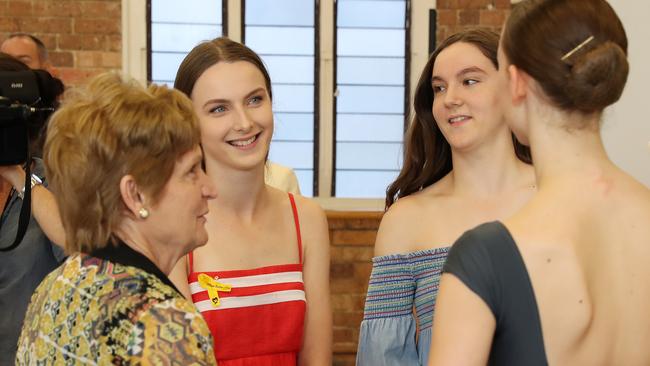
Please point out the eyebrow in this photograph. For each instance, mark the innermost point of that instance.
(461, 73)
(217, 101)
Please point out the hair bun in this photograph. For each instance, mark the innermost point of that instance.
(597, 77)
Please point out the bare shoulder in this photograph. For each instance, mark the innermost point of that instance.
(401, 227)
(313, 225)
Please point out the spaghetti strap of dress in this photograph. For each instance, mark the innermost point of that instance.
(190, 260)
(296, 222)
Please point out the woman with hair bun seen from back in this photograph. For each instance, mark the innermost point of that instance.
(262, 280)
(124, 164)
(563, 281)
(462, 167)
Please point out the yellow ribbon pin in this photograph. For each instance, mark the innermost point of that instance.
(213, 288)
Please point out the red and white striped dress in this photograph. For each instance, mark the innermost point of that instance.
(260, 321)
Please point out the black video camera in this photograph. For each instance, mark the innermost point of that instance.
(27, 99)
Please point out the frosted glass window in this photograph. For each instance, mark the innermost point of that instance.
(363, 184)
(370, 71)
(370, 95)
(294, 126)
(368, 155)
(283, 33)
(290, 69)
(384, 128)
(176, 27)
(280, 12)
(370, 42)
(384, 14)
(298, 155)
(370, 99)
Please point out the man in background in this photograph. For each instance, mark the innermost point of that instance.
(28, 49)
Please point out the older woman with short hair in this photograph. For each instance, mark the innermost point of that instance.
(124, 163)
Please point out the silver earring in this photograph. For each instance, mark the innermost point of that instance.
(144, 213)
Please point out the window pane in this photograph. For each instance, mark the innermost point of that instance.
(359, 127)
(181, 37)
(370, 99)
(275, 40)
(282, 32)
(368, 155)
(370, 92)
(298, 155)
(370, 42)
(293, 98)
(166, 66)
(384, 14)
(294, 126)
(290, 69)
(186, 11)
(370, 70)
(305, 181)
(363, 184)
(279, 12)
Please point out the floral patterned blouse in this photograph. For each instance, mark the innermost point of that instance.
(112, 307)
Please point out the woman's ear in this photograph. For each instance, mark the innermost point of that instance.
(131, 196)
(518, 81)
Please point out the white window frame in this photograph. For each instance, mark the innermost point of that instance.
(134, 64)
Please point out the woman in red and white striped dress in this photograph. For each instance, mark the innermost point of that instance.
(262, 280)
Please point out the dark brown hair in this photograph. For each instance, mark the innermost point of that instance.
(540, 33)
(427, 154)
(209, 53)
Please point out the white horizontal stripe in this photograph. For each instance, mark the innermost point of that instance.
(246, 301)
(255, 280)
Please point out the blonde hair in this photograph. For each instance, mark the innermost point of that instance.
(110, 129)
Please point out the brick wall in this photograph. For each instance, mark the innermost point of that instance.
(352, 237)
(83, 37)
(455, 15)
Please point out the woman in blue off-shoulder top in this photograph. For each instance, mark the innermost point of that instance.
(459, 171)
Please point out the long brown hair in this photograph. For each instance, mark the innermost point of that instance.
(427, 154)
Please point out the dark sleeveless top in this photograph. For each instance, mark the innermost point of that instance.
(487, 261)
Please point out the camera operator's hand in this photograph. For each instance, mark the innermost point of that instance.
(44, 206)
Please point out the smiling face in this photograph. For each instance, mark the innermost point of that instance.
(234, 109)
(466, 104)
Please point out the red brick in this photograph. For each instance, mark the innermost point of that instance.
(61, 59)
(19, 9)
(446, 4)
(447, 17)
(344, 359)
(9, 25)
(354, 237)
(348, 319)
(49, 40)
(341, 270)
(474, 4)
(493, 18)
(63, 9)
(75, 76)
(111, 59)
(101, 9)
(45, 25)
(468, 17)
(98, 26)
(86, 42)
(113, 43)
(502, 4)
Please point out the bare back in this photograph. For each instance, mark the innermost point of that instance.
(586, 250)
